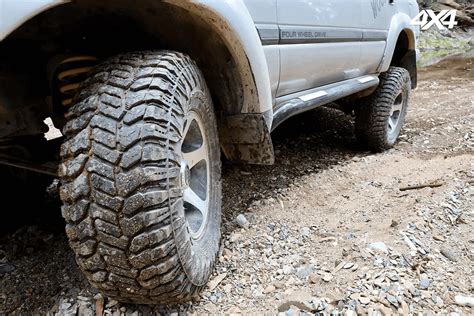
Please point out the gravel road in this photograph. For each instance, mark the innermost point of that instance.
(328, 228)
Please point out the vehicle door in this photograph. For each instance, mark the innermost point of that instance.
(319, 42)
(376, 18)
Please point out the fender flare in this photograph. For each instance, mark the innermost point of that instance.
(246, 136)
(236, 26)
(401, 22)
(12, 15)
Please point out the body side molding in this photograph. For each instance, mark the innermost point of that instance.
(272, 34)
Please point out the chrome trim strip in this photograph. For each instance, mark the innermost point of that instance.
(366, 79)
(312, 96)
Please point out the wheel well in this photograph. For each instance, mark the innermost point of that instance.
(405, 55)
(88, 27)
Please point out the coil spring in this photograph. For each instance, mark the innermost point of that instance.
(71, 72)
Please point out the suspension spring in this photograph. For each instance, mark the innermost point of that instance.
(71, 72)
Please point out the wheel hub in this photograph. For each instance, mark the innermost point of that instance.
(185, 175)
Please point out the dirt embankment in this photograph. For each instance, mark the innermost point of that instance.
(465, 8)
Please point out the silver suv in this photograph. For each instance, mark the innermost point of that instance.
(148, 93)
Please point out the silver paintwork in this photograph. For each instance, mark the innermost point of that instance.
(305, 66)
(272, 54)
(13, 13)
(262, 11)
(236, 24)
(399, 22)
(371, 54)
(336, 13)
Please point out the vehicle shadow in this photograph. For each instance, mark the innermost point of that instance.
(305, 144)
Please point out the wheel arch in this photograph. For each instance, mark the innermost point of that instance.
(12, 15)
(401, 49)
(226, 47)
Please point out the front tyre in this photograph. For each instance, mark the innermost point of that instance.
(140, 177)
(380, 117)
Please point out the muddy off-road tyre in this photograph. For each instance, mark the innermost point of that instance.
(140, 178)
(380, 116)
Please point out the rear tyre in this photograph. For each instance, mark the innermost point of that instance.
(140, 176)
(380, 116)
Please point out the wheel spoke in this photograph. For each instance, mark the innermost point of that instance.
(392, 123)
(397, 108)
(186, 128)
(194, 157)
(192, 198)
(195, 172)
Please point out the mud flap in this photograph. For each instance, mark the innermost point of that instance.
(409, 63)
(245, 138)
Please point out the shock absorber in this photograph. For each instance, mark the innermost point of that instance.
(70, 73)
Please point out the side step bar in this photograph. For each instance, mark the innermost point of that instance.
(301, 102)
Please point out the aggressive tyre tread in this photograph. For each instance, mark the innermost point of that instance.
(374, 111)
(120, 177)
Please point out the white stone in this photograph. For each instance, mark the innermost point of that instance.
(380, 246)
(464, 300)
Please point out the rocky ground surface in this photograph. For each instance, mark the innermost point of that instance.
(329, 227)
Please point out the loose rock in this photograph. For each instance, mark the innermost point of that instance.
(379, 246)
(241, 221)
(464, 300)
(424, 283)
(269, 289)
(215, 282)
(6, 268)
(327, 277)
(449, 254)
(305, 231)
